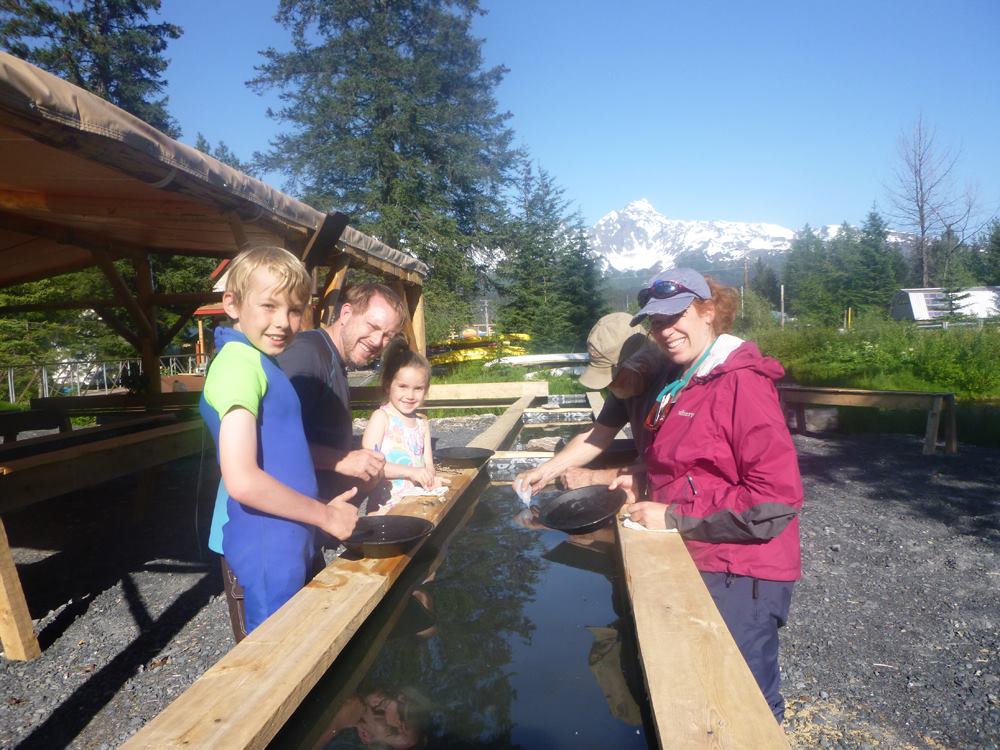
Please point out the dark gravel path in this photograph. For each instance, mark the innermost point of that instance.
(892, 640)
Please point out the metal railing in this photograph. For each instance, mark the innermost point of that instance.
(80, 378)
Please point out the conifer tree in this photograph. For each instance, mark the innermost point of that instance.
(764, 282)
(391, 118)
(107, 47)
(549, 281)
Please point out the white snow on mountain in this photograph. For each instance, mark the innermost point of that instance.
(638, 237)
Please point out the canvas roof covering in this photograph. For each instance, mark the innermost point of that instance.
(78, 174)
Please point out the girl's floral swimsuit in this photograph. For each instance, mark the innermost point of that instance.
(403, 445)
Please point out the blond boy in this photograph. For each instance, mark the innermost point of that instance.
(249, 405)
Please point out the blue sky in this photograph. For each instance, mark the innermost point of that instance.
(786, 112)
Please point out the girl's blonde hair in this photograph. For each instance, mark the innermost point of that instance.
(398, 355)
(291, 273)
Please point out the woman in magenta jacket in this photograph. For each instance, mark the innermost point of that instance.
(722, 469)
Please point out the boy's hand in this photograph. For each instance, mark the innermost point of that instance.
(341, 516)
(363, 464)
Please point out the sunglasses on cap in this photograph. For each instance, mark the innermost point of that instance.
(664, 290)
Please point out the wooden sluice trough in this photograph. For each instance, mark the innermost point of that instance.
(700, 691)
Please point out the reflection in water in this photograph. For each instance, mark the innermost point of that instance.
(395, 720)
(509, 638)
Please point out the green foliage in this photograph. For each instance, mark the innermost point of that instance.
(755, 314)
(548, 279)
(391, 118)
(764, 283)
(855, 269)
(107, 47)
(223, 153)
(890, 355)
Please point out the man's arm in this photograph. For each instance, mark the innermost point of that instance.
(579, 451)
(361, 464)
(254, 487)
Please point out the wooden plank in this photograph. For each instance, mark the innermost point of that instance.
(16, 631)
(243, 700)
(885, 400)
(503, 430)
(32, 479)
(459, 394)
(701, 692)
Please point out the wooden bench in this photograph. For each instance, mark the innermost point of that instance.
(937, 405)
(117, 403)
(26, 480)
(12, 423)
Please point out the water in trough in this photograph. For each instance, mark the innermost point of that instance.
(497, 635)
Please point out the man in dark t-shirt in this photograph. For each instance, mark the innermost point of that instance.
(633, 370)
(316, 362)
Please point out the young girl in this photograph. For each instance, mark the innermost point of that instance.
(397, 431)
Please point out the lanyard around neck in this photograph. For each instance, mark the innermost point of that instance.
(669, 393)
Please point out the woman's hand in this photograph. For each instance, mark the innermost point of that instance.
(626, 482)
(651, 515)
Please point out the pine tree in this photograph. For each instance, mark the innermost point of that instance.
(391, 118)
(548, 279)
(223, 153)
(764, 282)
(809, 292)
(107, 47)
(990, 255)
(876, 273)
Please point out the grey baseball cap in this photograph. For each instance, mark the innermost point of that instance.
(659, 298)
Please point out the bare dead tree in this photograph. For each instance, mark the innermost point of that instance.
(922, 192)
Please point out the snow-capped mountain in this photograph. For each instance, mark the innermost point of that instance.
(639, 237)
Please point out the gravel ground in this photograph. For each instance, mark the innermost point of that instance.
(892, 640)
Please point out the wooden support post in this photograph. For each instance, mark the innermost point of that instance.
(16, 631)
(327, 305)
(933, 423)
(950, 426)
(123, 294)
(411, 336)
(239, 236)
(324, 239)
(415, 304)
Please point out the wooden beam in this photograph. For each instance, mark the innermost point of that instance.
(499, 434)
(184, 317)
(327, 303)
(415, 303)
(16, 631)
(400, 289)
(701, 691)
(461, 394)
(111, 321)
(381, 266)
(162, 300)
(123, 293)
(239, 235)
(324, 239)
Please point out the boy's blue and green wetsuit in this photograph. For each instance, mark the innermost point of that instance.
(270, 556)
